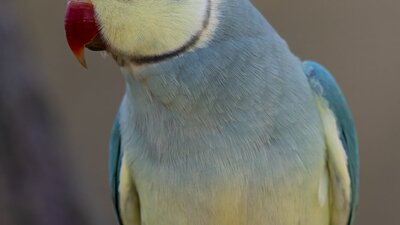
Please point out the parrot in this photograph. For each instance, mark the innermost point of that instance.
(220, 123)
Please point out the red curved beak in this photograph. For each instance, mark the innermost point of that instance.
(82, 29)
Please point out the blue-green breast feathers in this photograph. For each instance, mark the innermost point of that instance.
(325, 86)
(115, 158)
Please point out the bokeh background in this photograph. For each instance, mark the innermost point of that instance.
(358, 41)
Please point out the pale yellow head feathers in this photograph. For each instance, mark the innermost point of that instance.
(151, 27)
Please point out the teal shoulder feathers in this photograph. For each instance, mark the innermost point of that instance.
(115, 165)
(325, 86)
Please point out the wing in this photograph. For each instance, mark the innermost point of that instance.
(114, 168)
(342, 145)
(123, 189)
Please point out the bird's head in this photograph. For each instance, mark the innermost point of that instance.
(141, 30)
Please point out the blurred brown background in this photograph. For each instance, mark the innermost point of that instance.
(358, 40)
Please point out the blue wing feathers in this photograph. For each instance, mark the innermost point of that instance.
(115, 165)
(324, 84)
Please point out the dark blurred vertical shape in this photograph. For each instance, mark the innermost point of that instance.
(34, 187)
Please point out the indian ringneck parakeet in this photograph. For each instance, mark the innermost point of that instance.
(220, 123)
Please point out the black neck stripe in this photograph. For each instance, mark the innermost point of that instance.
(157, 58)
